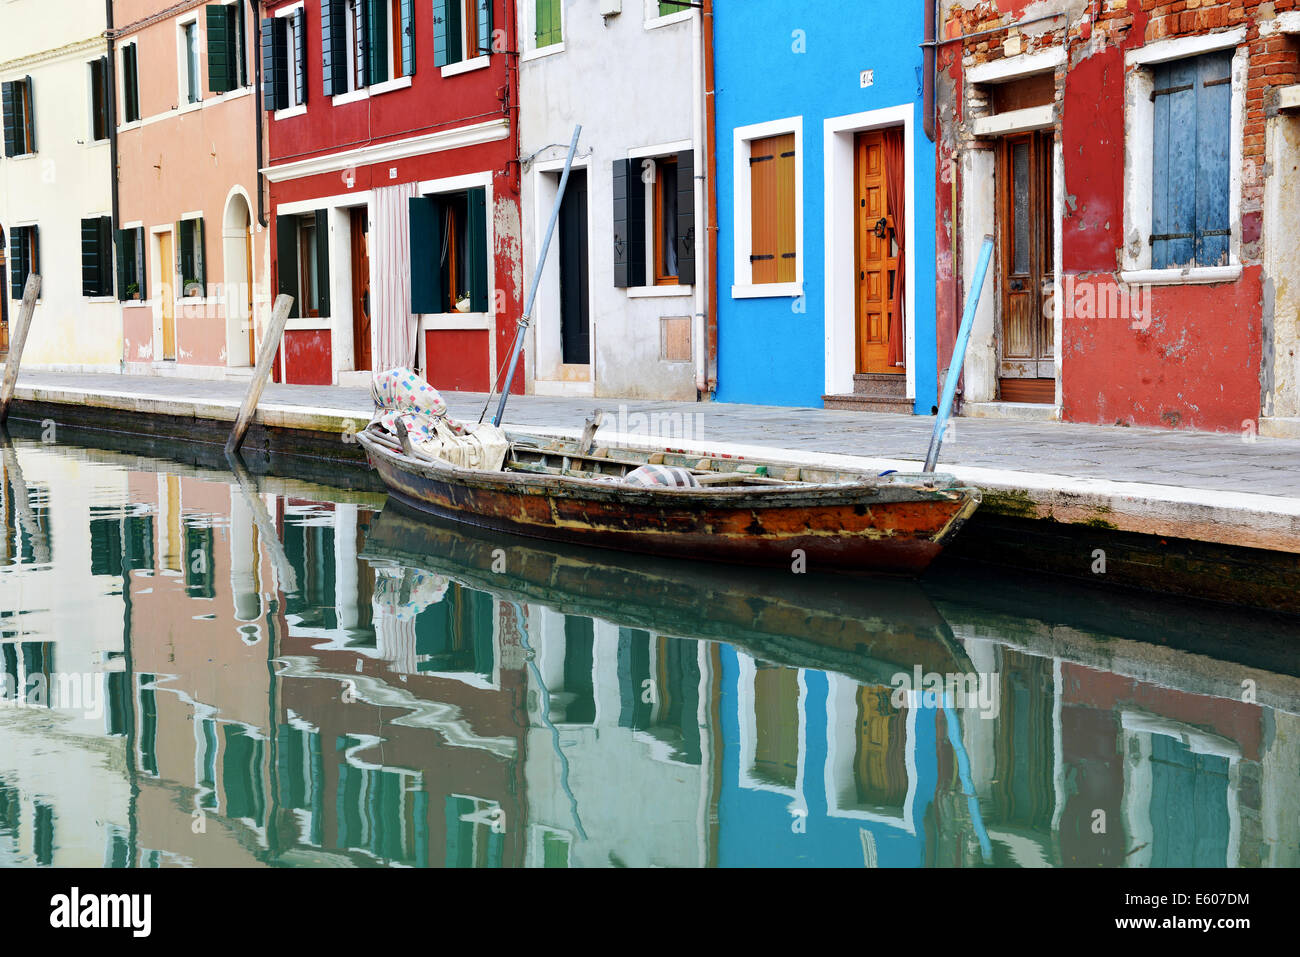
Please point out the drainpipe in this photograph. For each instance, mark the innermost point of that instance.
(927, 72)
(711, 188)
(111, 81)
(697, 143)
(254, 6)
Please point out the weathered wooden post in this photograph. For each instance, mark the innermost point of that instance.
(270, 343)
(18, 339)
(262, 519)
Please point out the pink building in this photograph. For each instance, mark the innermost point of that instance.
(193, 252)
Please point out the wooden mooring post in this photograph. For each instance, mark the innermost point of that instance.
(18, 339)
(270, 343)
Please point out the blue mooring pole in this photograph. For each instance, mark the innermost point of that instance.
(537, 278)
(958, 355)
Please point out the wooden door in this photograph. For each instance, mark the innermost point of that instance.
(4, 296)
(360, 288)
(1027, 370)
(575, 325)
(166, 294)
(876, 253)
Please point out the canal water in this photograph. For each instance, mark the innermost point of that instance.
(199, 671)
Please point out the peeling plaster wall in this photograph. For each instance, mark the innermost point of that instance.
(1204, 357)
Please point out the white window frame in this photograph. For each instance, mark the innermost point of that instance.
(183, 91)
(653, 20)
(291, 54)
(841, 748)
(744, 286)
(244, 67)
(528, 24)
(1139, 138)
(748, 726)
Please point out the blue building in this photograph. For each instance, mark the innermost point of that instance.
(826, 203)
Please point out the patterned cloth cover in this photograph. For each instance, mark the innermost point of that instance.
(402, 593)
(400, 394)
(661, 475)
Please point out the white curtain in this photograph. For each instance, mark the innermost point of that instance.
(396, 334)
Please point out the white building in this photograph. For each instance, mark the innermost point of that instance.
(55, 182)
(620, 307)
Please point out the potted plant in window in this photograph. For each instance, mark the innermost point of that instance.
(133, 290)
(193, 287)
(462, 302)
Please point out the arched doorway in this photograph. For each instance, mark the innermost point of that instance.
(237, 251)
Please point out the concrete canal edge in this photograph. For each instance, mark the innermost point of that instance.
(1233, 547)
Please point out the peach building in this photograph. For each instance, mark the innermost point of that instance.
(192, 248)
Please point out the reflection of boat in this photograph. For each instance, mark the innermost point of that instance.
(742, 510)
(868, 629)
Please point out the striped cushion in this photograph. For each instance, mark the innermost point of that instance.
(663, 475)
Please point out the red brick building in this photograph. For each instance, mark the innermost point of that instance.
(394, 186)
(1136, 163)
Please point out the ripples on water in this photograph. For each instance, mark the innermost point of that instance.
(196, 673)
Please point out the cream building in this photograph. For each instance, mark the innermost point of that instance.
(56, 183)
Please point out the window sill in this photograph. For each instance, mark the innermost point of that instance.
(681, 16)
(291, 112)
(1191, 275)
(768, 290)
(355, 96)
(100, 298)
(189, 108)
(658, 292)
(137, 304)
(128, 126)
(21, 156)
(538, 52)
(467, 66)
(456, 320)
(91, 144)
(310, 324)
(397, 83)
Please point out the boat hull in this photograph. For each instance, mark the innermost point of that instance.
(883, 527)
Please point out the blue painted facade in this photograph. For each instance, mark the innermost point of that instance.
(775, 60)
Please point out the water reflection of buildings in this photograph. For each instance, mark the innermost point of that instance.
(281, 691)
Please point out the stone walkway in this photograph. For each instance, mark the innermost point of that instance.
(1192, 460)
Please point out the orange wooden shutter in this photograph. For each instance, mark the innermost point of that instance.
(771, 174)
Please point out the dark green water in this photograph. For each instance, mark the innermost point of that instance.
(198, 673)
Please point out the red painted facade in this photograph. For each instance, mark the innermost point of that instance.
(435, 128)
(1195, 358)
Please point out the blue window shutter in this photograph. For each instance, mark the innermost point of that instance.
(476, 251)
(1173, 209)
(484, 26)
(268, 64)
(1213, 132)
(426, 249)
(299, 77)
(334, 46)
(447, 32)
(408, 37)
(440, 32)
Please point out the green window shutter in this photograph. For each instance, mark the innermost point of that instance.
(271, 67)
(548, 22)
(286, 260)
(334, 46)
(376, 40)
(141, 264)
(220, 21)
(29, 89)
(16, 277)
(10, 119)
(323, 262)
(476, 251)
(629, 224)
(686, 217)
(238, 41)
(442, 31)
(130, 84)
(182, 253)
(200, 266)
(105, 255)
(426, 246)
(408, 37)
(123, 238)
(667, 7)
(90, 281)
(359, 30)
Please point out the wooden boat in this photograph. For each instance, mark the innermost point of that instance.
(744, 511)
